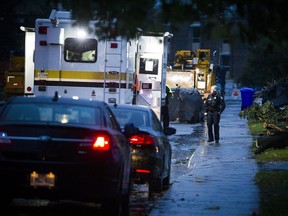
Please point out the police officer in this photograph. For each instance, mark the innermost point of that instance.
(165, 108)
(214, 106)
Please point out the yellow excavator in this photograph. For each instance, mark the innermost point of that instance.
(192, 69)
(190, 78)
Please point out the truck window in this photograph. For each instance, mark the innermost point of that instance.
(148, 66)
(80, 50)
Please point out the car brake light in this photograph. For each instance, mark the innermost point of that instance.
(141, 139)
(142, 171)
(102, 142)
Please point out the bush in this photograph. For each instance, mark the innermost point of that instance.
(265, 113)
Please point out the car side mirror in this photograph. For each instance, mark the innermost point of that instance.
(169, 131)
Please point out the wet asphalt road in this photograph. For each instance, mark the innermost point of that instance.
(206, 179)
(220, 177)
(184, 144)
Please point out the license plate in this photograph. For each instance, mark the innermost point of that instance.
(42, 180)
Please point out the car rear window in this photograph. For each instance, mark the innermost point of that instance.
(60, 113)
(137, 117)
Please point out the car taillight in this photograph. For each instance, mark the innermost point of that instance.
(141, 139)
(102, 142)
(142, 171)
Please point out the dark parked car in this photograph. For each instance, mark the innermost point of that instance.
(151, 150)
(60, 148)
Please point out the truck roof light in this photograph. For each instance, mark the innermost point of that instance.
(81, 33)
(42, 30)
(113, 45)
(43, 43)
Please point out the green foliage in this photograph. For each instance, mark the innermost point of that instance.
(265, 113)
(233, 19)
(128, 15)
(256, 127)
(272, 155)
(272, 184)
(125, 16)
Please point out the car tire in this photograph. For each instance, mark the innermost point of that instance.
(125, 210)
(166, 180)
(5, 203)
(112, 207)
(116, 206)
(156, 185)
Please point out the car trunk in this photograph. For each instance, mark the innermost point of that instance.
(46, 143)
(67, 156)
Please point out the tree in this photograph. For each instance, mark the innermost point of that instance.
(249, 21)
(127, 17)
(254, 19)
(260, 23)
(16, 13)
(265, 64)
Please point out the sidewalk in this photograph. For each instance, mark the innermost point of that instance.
(221, 176)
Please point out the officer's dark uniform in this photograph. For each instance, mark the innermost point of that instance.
(165, 108)
(215, 105)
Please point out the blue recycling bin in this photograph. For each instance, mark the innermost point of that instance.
(247, 95)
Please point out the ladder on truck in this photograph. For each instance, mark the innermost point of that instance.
(112, 71)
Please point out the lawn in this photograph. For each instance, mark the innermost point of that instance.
(273, 185)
